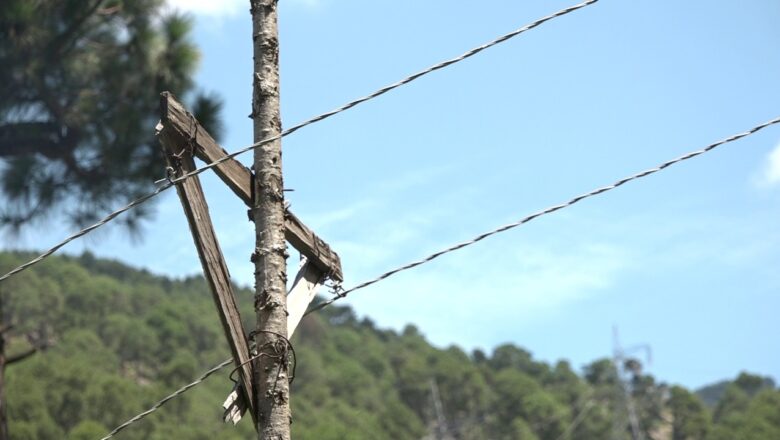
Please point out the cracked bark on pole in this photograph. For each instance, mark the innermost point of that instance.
(272, 387)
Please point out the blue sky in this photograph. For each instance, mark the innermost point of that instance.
(685, 261)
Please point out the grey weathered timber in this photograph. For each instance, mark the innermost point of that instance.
(317, 252)
(234, 405)
(179, 157)
(308, 280)
(272, 388)
(185, 128)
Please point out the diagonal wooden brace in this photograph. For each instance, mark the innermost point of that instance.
(320, 261)
(179, 157)
(303, 291)
(184, 129)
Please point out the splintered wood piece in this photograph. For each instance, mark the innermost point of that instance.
(303, 291)
(234, 406)
(308, 280)
(185, 129)
(214, 267)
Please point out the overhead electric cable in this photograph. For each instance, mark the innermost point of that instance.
(171, 396)
(293, 129)
(550, 210)
(462, 245)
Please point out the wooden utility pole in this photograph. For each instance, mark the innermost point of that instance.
(183, 137)
(270, 256)
(267, 393)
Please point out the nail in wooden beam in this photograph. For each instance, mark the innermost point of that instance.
(184, 128)
(193, 201)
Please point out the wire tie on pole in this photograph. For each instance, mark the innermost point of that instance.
(170, 174)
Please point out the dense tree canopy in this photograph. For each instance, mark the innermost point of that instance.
(79, 85)
(126, 338)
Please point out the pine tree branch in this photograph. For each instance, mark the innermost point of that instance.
(45, 138)
(23, 355)
(67, 37)
(37, 343)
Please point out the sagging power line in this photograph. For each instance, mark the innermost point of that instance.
(550, 210)
(171, 182)
(431, 257)
(168, 398)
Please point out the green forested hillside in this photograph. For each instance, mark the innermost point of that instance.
(125, 338)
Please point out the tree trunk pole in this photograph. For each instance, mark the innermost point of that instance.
(270, 256)
(3, 411)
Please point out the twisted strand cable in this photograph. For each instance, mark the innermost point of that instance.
(173, 395)
(550, 210)
(86, 231)
(295, 128)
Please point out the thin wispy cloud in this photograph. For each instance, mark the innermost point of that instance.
(770, 175)
(508, 283)
(307, 3)
(225, 8)
(337, 217)
(743, 241)
(470, 294)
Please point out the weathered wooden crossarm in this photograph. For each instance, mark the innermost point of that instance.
(317, 251)
(185, 129)
(214, 267)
